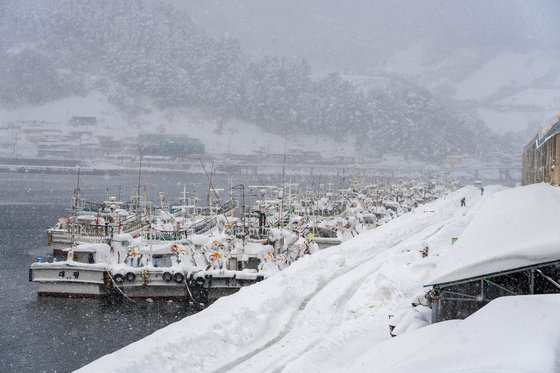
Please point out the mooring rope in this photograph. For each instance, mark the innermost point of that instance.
(117, 287)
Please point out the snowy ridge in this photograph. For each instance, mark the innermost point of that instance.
(317, 314)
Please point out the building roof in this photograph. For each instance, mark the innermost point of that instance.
(515, 228)
(549, 134)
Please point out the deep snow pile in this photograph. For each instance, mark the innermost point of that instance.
(510, 334)
(320, 313)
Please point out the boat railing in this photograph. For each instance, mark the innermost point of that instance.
(251, 231)
(203, 225)
(228, 206)
(130, 224)
(165, 235)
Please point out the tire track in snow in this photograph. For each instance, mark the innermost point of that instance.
(291, 322)
(353, 288)
(346, 271)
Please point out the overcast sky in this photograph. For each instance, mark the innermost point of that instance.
(359, 33)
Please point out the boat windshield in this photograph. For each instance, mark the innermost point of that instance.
(162, 261)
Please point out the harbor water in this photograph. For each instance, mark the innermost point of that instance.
(55, 334)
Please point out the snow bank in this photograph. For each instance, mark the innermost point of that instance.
(514, 228)
(483, 342)
(316, 315)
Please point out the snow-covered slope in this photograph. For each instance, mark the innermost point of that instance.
(317, 315)
(509, 91)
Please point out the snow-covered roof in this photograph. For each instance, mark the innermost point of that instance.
(199, 239)
(93, 248)
(514, 228)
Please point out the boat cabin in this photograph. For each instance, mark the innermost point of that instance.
(89, 253)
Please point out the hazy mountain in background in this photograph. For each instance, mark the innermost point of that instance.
(141, 54)
(498, 58)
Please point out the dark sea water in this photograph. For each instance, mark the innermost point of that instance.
(55, 334)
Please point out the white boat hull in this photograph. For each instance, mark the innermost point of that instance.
(65, 289)
(68, 280)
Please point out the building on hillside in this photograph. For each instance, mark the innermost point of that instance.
(82, 121)
(510, 248)
(452, 160)
(174, 146)
(540, 158)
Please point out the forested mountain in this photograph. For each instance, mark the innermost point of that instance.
(131, 50)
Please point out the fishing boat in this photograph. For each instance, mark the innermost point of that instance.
(198, 269)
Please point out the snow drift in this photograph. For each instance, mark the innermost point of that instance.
(510, 334)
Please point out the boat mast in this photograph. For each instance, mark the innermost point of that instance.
(281, 211)
(139, 181)
(210, 186)
(76, 196)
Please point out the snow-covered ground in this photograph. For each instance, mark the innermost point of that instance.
(510, 334)
(321, 314)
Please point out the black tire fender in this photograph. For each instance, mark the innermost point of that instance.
(166, 276)
(118, 278)
(178, 277)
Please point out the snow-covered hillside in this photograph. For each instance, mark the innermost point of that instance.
(174, 66)
(219, 136)
(508, 91)
(478, 53)
(320, 313)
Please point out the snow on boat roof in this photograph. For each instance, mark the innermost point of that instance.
(199, 239)
(514, 228)
(93, 247)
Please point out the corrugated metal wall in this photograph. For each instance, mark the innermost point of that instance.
(540, 162)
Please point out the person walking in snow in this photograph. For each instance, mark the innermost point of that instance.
(425, 251)
(481, 191)
(463, 202)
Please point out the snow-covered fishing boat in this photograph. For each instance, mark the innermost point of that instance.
(198, 269)
(95, 223)
(187, 253)
(84, 273)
